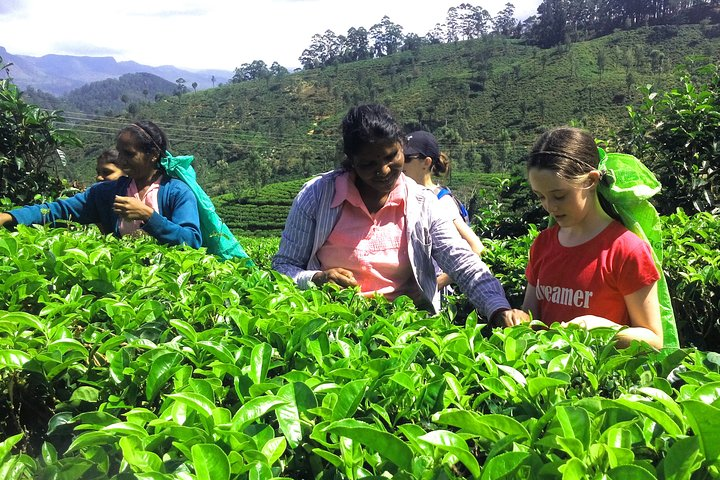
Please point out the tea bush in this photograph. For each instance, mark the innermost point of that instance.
(120, 358)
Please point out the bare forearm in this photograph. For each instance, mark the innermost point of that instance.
(626, 336)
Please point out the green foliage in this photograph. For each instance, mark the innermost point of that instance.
(144, 361)
(286, 127)
(692, 268)
(115, 95)
(30, 141)
(259, 212)
(676, 133)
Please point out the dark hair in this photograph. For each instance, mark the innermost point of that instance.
(571, 153)
(365, 124)
(151, 138)
(108, 156)
(441, 165)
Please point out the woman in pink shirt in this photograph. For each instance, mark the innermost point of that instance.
(365, 225)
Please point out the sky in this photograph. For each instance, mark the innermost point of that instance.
(208, 34)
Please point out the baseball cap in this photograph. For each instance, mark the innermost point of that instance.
(423, 143)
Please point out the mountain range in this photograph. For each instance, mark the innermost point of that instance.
(59, 74)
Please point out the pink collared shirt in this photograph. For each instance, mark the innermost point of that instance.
(126, 227)
(371, 245)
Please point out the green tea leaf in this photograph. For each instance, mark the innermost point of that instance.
(260, 362)
(195, 401)
(705, 422)
(161, 370)
(682, 459)
(537, 385)
(89, 439)
(573, 469)
(575, 423)
(254, 409)
(210, 462)
(274, 448)
(298, 398)
(454, 444)
(630, 472)
(639, 405)
(503, 465)
(139, 458)
(350, 396)
(85, 394)
(185, 329)
(7, 445)
(10, 358)
(384, 443)
(490, 426)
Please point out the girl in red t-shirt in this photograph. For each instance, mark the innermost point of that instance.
(587, 268)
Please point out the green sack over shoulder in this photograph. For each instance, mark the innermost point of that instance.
(628, 184)
(216, 236)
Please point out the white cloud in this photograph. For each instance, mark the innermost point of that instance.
(197, 34)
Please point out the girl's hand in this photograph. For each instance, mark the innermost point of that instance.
(591, 321)
(130, 208)
(340, 276)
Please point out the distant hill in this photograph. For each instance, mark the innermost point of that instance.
(59, 74)
(486, 100)
(106, 97)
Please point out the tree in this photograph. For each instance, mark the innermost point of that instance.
(277, 70)
(29, 143)
(551, 26)
(412, 43)
(194, 85)
(212, 79)
(470, 21)
(601, 62)
(181, 88)
(504, 22)
(357, 45)
(387, 37)
(676, 133)
(251, 71)
(437, 34)
(657, 59)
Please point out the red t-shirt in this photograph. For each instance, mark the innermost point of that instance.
(589, 279)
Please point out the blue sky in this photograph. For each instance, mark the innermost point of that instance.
(200, 34)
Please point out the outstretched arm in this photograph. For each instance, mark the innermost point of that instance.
(645, 324)
(471, 238)
(6, 219)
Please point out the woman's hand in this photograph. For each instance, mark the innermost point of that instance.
(443, 280)
(130, 208)
(340, 276)
(509, 317)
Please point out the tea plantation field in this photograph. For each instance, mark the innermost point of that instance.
(122, 359)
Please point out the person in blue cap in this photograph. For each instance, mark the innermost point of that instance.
(423, 163)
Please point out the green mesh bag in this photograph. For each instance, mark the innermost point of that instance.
(216, 236)
(628, 184)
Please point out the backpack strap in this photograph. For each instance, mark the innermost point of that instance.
(461, 208)
(442, 192)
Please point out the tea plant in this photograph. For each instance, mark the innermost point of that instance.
(124, 359)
